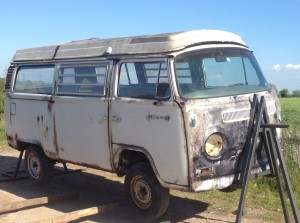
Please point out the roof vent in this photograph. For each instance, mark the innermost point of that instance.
(151, 39)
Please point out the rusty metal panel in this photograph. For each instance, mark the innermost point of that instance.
(35, 54)
(31, 121)
(204, 117)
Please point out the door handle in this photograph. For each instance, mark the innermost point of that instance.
(116, 118)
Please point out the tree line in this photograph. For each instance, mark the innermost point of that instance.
(284, 93)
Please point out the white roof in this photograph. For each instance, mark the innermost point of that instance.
(150, 44)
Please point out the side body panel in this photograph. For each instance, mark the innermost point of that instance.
(157, 129)
(81, 129)
(29, 118)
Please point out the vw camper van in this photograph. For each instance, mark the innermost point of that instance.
(167, 111)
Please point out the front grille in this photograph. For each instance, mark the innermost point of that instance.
(235, 115)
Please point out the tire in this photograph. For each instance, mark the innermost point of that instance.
(38, 166)
(145, 192)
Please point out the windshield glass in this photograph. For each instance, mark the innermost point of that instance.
(218, 72)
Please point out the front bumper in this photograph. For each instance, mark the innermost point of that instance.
(226, 181)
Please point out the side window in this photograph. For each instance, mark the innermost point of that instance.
(148, 80)
(252, 76)
(153, 70)
(183, 73)
(82, 80)
(128, 74)
(36, 80)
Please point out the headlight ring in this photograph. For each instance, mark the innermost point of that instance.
(214, 146)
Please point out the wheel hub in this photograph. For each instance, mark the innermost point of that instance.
(141, 193)
(34, 166)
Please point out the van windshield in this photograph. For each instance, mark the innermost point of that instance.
(218, 72)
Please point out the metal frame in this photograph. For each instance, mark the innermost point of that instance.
(261, 128)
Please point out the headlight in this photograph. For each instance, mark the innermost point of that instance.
(214, 145)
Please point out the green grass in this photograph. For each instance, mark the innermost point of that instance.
(2, 131)
(291, 136)
(266, 187)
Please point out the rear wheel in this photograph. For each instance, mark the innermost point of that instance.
(145, 191)
(38, 166)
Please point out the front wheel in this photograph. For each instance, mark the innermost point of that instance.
(145, 191)
(38, 166)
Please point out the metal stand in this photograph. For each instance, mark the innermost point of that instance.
(18, 174)
(13, 175)
(261, 129)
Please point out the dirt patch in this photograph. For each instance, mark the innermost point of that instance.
(98, 188)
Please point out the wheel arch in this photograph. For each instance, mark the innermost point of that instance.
(138, 154)
(26, 144)
(22, 144)
(129, 155)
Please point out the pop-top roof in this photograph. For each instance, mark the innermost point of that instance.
(150, 44)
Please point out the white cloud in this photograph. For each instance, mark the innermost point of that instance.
(277, 67)
(292, 66)
(287, 67)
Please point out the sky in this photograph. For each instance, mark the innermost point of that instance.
(270, 28)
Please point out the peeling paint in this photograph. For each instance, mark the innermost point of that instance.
(205, 117)
(55, 136)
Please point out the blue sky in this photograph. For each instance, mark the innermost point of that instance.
(271, 28)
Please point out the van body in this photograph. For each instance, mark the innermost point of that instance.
(179, 102)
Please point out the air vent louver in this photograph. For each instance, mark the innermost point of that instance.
(9, 74)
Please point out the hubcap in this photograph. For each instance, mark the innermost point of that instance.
(141, 192)
(34, 166)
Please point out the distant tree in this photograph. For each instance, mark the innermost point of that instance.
(296, 93)
(284, 93)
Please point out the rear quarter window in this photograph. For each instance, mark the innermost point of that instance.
(35, 80)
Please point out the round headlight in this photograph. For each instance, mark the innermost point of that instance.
(214, 145)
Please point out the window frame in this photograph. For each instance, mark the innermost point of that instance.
(73, 64)
(19, 67)
(141, 60)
